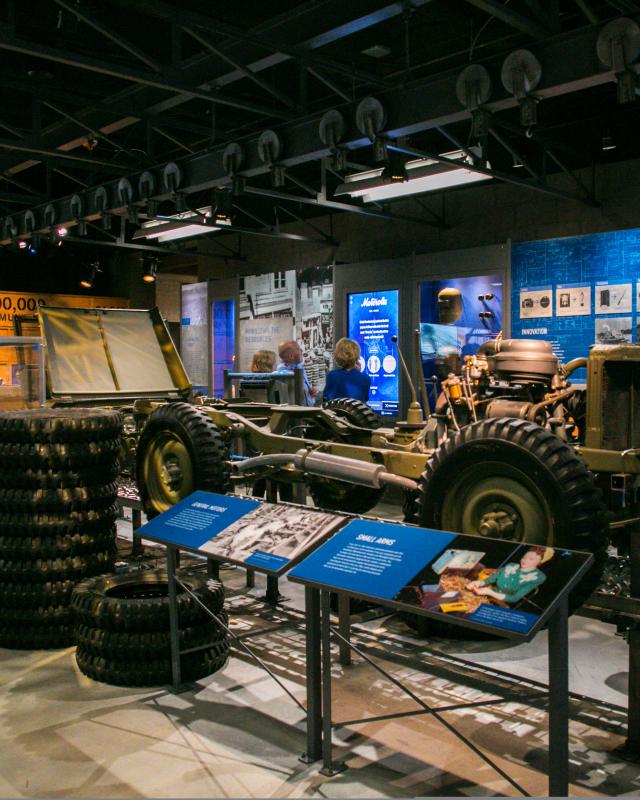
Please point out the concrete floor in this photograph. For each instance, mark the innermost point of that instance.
(237, 734)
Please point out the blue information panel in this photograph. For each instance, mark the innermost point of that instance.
(265, 536)
(481, 583)
(372, 321)
(577, 291)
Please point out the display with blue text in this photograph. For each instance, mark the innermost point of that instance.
(478, 582)
(372, 322)
(237, 529)
(577, 291)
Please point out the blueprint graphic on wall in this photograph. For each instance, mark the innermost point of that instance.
(605, 266)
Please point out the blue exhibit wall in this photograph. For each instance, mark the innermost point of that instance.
(598, 274)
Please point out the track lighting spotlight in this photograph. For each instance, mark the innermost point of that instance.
(150, 269)
(87, 282)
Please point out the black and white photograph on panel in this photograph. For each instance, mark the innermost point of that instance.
(273, 535)
(613, 330)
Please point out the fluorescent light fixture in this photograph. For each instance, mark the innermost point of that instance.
(423, 175)
(165, 230)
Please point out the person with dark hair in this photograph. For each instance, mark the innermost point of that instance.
(347, 380)
(290, 354)
(515, 581)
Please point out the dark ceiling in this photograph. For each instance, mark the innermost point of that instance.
(95, 90)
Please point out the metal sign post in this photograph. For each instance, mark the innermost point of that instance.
(559, 701)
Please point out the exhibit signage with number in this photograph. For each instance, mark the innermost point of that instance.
(503, 586)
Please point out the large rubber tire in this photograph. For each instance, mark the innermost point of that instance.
(58, 479)
(65, 546)
(70, 523)
(517, 465)
(355, 412)
(60, 425)
(47, 616)
(59, 455)
(43, 571)
(123, 646)
(336, 495)
(138, 601)
(180, 450)
(34, 596)
(152, 672)
(36, 637)
(58, 500)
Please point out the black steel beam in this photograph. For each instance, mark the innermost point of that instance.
(170, 84)
(246, 71)
(96, 112)
(424, 105)
(194, 19)
(10, 129)
(512, 18)
(133, 156)
(36, 149)
(329, 83)
(589, 13)
(130, 108)
(16, 197)
(539, 11)
(105, 30)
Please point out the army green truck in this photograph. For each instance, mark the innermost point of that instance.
(513, 449)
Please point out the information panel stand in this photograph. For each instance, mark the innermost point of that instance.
(262, 537)
(503, 588)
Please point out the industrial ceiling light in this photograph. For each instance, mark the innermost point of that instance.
(423, 175)
(517, 162)
(608, 142)
(150, 269)
(176, 226)
(87, 282)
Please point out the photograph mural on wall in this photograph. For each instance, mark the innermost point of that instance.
(314, 321)
(292, 304)
(592, 278)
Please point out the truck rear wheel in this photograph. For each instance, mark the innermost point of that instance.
(511, 479)
(180, 450)
(355, 412)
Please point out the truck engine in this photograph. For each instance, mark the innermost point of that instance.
(517, 378)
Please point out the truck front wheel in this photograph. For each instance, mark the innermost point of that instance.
(180, 450)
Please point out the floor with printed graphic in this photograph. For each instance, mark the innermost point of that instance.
(237, 734)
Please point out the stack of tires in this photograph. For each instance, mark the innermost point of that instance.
(122, 628)
(58, 470)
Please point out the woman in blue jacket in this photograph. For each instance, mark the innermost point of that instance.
(347, 380)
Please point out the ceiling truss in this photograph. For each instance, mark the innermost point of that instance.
(429, 104)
